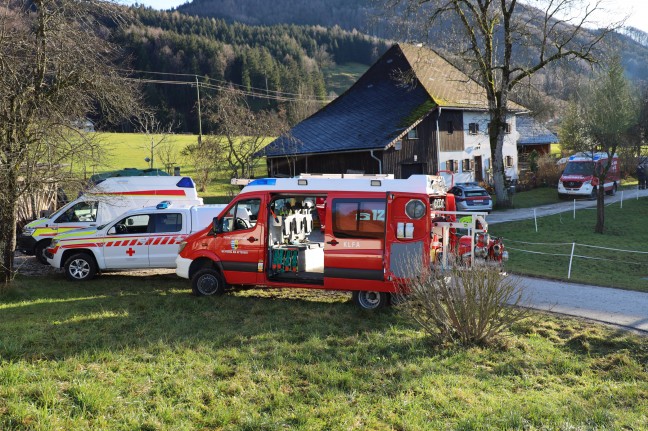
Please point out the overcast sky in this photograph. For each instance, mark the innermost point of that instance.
(637, 10)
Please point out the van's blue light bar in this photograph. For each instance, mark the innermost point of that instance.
(264, 182)
(186, 182)
(163, 205)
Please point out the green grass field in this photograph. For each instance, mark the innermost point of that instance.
(131, 353)
(343, 76)
(546, 253)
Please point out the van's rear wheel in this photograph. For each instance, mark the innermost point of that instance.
(207, 282)
(370, 301)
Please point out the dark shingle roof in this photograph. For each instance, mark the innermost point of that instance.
(533, 133)
(400, 88)
(367, 116)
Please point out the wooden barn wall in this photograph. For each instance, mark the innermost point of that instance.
(451, 141)
(339, 163)
(424, 147)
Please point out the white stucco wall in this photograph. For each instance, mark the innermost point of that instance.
(478, 145)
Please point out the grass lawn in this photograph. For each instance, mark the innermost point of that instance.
(546, 253)
(130, 353)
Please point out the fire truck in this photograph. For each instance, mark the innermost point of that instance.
(377, 232)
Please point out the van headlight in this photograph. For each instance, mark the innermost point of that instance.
(28, 231)
(181, 246)
(54, 243)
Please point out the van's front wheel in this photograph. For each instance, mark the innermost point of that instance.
(207, 282)
(370, 301)
(80, 267)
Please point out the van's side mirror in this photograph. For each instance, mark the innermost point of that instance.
(216, 227)
(112, 231)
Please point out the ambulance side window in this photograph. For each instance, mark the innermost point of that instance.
(83, 211)
(135, 224)
(241, 216)
(167, 223)
(359, 218)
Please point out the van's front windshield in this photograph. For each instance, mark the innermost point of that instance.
(579, 168)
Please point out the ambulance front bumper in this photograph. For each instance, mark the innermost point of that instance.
(182, 267)
(25, 244)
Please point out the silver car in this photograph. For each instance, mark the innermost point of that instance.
(471, 197)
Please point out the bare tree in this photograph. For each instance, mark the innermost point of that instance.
(159, 139)
(487, 35)
(245, 131)
(56, 68)
(207, 158)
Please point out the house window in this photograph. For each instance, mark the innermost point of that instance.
(473, 128)
(508, 161)
(412, 134)
(450, 128)
(467, 165)
(452, 165)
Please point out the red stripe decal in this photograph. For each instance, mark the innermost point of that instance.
(157, 241)
(151, 192)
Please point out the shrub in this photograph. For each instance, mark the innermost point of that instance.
(465, 305)
(548, 171)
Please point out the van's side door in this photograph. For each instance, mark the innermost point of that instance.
(241, 241)
(354, 242)
(168, 230)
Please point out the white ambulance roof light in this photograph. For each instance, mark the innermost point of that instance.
(163, 205)
(376, 183)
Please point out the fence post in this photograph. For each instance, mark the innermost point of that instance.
(571, 258)
(621, 198)
(574, 209)
(535, 219)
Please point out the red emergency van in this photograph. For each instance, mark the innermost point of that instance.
(377, 231)
(579, 176)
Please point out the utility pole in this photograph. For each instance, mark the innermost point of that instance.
(199, 116)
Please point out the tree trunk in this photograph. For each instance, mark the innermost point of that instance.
(8, 227)
(496, 137)
(600, 207)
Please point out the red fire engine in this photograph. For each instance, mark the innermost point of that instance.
(376, 230)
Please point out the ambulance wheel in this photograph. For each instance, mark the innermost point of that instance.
(370, 301)
(80, 267)
(39, 251)
(207, 282)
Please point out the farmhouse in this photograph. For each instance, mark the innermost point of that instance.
(412, 112)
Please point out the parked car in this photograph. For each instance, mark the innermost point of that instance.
(471, 197)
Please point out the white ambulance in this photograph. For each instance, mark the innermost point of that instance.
(102, 203)
(140, 238)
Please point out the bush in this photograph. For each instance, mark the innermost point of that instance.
(548, 171)
(465, 305)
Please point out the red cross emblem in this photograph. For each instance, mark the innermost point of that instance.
(130, 251)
